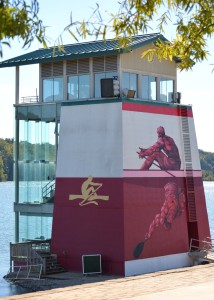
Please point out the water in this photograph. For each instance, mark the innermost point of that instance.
(6, 236)
(7, 230)
(209, 194)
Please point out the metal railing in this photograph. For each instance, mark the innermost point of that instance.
(27, 253)
(24, 272)
(202, 250)
(30, 99)
(201, 245)
(48, 191)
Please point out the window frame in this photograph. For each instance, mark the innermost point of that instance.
(52, 96)
(78, 87)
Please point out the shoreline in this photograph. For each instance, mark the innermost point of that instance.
(183, 283)
(61, 280)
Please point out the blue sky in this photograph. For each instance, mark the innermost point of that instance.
(196, 86)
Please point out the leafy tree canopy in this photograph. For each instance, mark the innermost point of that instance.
(6, 159)
(19, 18)
(192, 20)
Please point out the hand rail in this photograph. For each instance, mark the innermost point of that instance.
(201, 245)
(49, 189)
(27, 252)
(24, 272)
(29, 99)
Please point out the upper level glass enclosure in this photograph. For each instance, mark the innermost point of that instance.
(80, 79)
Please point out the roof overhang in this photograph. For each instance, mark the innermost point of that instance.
(81, 50)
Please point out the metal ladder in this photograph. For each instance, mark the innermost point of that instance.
(188, 168)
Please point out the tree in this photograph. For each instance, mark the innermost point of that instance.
(20, 19)
(6, 159)
(3, 176)
(193, 21)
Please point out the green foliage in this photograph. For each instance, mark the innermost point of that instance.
(46, 149)
(20, 19)
(207, 165)
(3, 176)
(31, 152)
(193, 22)
(6, 159)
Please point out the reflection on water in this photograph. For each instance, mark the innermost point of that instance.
(7, 231)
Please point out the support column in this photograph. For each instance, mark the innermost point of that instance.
(17, 86)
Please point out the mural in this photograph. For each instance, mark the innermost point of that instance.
(131, 197)
(172, 208)
(89, 193)
(164, 152)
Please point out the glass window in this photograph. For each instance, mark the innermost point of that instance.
(166, 90)
(84, 91)
(53, 89)
(78, 87)
(129, 81)
(72, 87)
(149, 87)
(34, 227)
(97, 85)
(37, 157)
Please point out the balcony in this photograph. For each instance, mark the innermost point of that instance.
(30, 99)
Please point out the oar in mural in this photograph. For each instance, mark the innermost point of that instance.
(138, 249)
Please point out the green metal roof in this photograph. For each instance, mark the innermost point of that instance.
(80, 50)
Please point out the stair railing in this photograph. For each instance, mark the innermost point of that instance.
(24, 272)
(48, 190)
(201, 250)
(28, 253)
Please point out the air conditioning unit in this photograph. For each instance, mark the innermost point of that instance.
(91, 264)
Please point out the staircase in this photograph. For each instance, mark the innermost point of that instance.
(48, 192)
(51, 266)
(32, 257)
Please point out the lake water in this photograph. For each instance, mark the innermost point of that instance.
(7, 230)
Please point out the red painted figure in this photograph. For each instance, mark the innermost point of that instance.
(164, 152)
(172, 208)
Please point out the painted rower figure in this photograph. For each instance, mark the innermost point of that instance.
(164, 152)
(89, 193)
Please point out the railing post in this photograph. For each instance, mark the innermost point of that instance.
(29, 269)
(44, 266)
(10, 255)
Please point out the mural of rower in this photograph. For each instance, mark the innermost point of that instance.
(172, 208)
(164, 152)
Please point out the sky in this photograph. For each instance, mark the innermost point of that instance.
(196, 86)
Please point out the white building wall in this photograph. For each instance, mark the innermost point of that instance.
(90, 141)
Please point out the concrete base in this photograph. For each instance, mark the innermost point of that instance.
(161, 263)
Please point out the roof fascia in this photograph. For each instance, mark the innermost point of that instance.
(59, 58)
